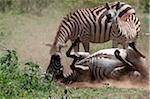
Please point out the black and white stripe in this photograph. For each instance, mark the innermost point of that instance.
(125, 29)
(113, 63)
(107, 63)
(104, 64)
(55, 68)
(88, 23)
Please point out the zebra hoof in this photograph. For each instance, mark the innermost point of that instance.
(135, 76)
(116, 74)
(66, 81)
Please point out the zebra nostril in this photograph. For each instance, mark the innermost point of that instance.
(108, 15)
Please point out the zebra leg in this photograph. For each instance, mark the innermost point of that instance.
(86, 46)
(70, 77)
(76, 48)
(73, 45)
(123, 69)
(135, 75)
(114, 44)
(117, 72)
(117, 55)
(135, 40)
(76, 44)
(132, 45)
(125, 44)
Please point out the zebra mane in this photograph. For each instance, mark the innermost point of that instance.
(125, 17)
(67, 17)
(114, 4)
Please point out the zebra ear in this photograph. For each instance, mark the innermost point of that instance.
(107, 6)
(117, 6)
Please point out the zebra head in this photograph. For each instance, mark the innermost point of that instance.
(112, 12)
(55, 68)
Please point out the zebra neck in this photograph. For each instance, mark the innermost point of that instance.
(116, 26)
(60, 41)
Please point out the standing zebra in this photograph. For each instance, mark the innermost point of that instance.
(88, 23)
(125, 29)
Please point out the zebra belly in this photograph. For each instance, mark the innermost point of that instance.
(102, 68)
(106, 63)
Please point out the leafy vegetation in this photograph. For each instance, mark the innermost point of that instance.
(16, 82)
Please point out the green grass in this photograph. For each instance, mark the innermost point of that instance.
(110, 93)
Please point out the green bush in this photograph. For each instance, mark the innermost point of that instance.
(9, 74)
(16, 82)
(5, 5)
(31, 77)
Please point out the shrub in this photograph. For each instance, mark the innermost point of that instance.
(8, 74)
(31, 77)
(16, 82)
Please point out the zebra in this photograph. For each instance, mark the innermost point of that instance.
(124, 29)
(107, 63)
(104, 64)
(88, 23)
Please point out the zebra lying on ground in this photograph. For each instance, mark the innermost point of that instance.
(108, 63)
(90, 24)
(104, 64)
(125, 29)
